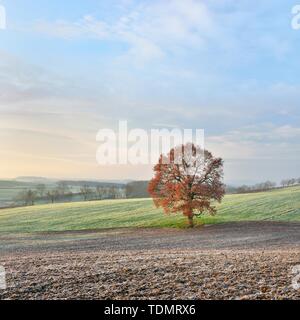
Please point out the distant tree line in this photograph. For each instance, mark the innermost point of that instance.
(290, 182)
(139, 189)
(62, 192)
(264, 186)
(102, 193)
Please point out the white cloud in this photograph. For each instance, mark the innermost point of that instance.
(88, 26)
(150, 29)
(263, 141)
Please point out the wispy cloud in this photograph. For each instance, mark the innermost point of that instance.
(149, 29)
(87, 27)
(261, 141)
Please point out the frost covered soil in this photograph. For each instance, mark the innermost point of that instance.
(232, 261)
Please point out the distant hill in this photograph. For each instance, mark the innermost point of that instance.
(10, 188)
(35, 179)
(74, 183)
(14, 184)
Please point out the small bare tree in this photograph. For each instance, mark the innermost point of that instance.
(21, 197)
(62, 188)
(113, 192)
(52, 195)
(41, 190)
(86, 192)
(28, 197)
(99, 192)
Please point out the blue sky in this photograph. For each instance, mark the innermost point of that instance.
(69, 68)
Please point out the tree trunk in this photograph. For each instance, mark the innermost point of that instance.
(191, 221)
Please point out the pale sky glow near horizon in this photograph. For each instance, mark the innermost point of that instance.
(70, 68)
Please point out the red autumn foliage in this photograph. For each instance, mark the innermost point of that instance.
(187, 181)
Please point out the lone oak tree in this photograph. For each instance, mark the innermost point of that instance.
(187, 181)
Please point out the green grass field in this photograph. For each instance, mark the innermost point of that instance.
(277, 205)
